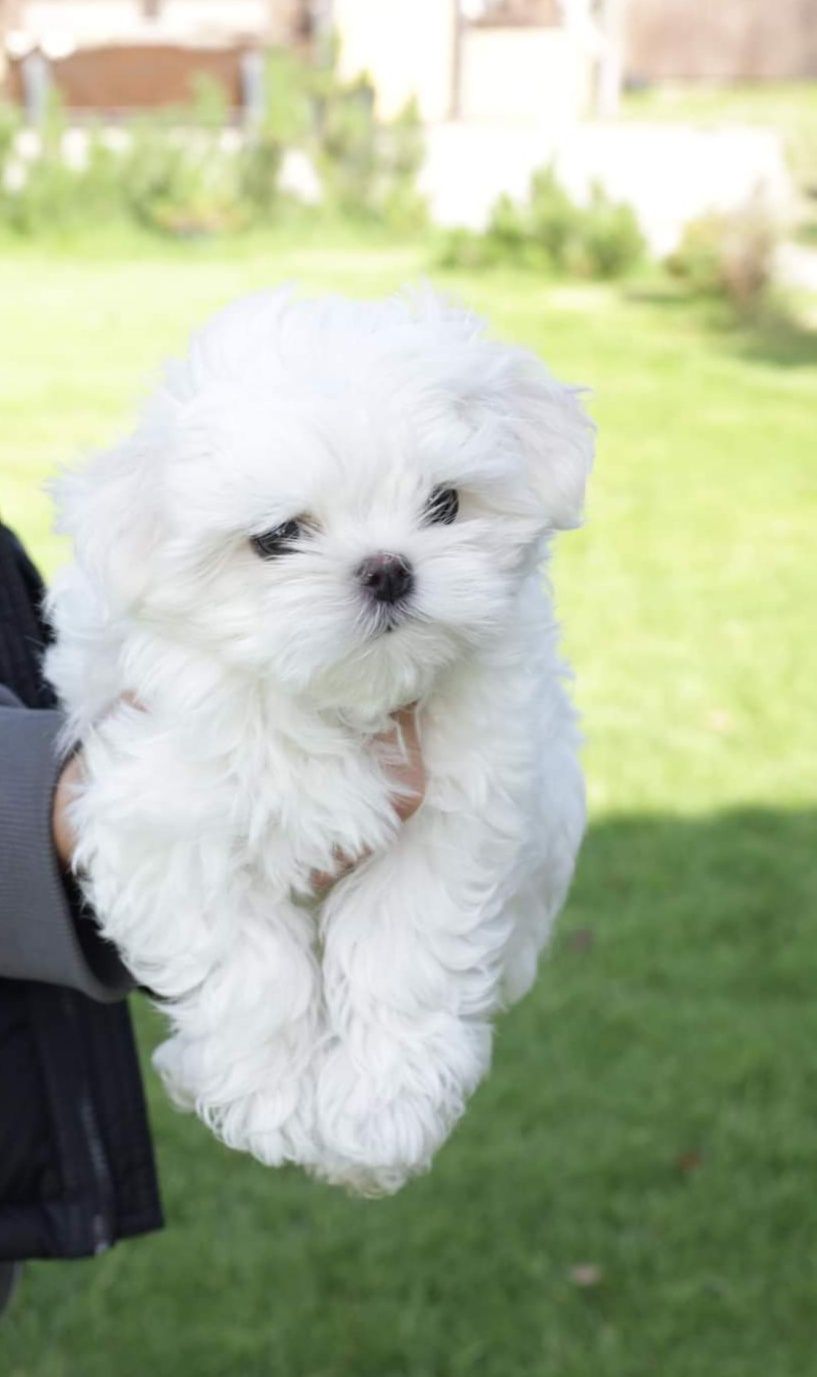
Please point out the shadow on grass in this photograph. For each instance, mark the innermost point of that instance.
(658, 292)
(746, 878)
(630, 1192)
(773, 332)
(777, 337)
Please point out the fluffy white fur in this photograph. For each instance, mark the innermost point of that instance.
(345, 1035)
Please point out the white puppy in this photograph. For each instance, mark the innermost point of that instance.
(330, 509)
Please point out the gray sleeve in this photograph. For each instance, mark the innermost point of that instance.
(44, 932)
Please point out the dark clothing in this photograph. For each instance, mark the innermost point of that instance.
(76, 1162)
(44, 933)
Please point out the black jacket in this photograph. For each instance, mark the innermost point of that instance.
(76, 1162)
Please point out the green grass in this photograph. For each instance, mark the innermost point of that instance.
(780, 103)
(652, 1107)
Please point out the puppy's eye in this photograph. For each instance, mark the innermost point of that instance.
(442, 506)
(270, 544)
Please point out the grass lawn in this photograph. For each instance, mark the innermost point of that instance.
(653, 1109)
(780, 103)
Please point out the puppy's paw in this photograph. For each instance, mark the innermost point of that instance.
(172, 1063)
(368, 1183)
(290, 1139)
(275, 1123)
(376, 1132)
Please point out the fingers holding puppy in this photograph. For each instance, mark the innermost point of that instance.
(400, 752)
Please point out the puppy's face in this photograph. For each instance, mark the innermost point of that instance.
(345, 498)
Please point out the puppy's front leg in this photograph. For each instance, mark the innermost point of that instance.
(232, 963)
(244, 1039)
(413, 947)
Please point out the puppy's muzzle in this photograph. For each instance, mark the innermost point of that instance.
(386, 578)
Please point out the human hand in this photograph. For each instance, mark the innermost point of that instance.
(62, 831)
(399, 749)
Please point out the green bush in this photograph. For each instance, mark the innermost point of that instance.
(286, 122)
(609, 237)
(345, 151)
(401, 153)
(175, 182)
(175, 175)
(367, 167)
(553, 221)
(100, 183)
(462, 249)
(728, 255)
(551, 233)
(172, 175)
(51, 194)
(10, 125)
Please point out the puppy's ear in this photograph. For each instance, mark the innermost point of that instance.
(110, 509)
(512, 390)
(547, 422)
(556, 436)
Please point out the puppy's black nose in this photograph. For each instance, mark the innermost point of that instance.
(388, 578)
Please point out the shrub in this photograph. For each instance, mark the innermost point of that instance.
(286, 122)
(551, 233)
(173, 182)
(49, 196)
(728, 255)
(172, 175)
(367, 167)
(554, 221)
(175, 174)
(100, 182)
(610, 236)
(10, 125)
(401, 152)
(345, 153)
(463, 248)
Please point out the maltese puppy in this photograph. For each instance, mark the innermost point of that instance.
(328, 511)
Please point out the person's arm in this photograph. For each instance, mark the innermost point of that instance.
(44, 933)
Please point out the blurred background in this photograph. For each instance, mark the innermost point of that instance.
(630, 188)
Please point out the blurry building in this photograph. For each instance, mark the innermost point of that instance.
(113, 56)
(517, 60)
(730, 40)
(503, 86)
